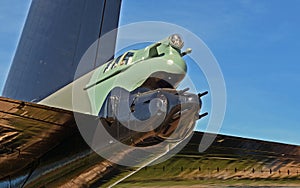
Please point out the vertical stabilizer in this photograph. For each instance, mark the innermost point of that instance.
(55, 36)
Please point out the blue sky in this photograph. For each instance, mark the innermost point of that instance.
(256, 43)
(12, 17)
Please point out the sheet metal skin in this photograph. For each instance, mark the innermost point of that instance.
(28, 131)
(38, 141)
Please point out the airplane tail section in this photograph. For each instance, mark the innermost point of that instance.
(55, 36)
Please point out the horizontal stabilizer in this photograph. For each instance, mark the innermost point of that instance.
(28, 131)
